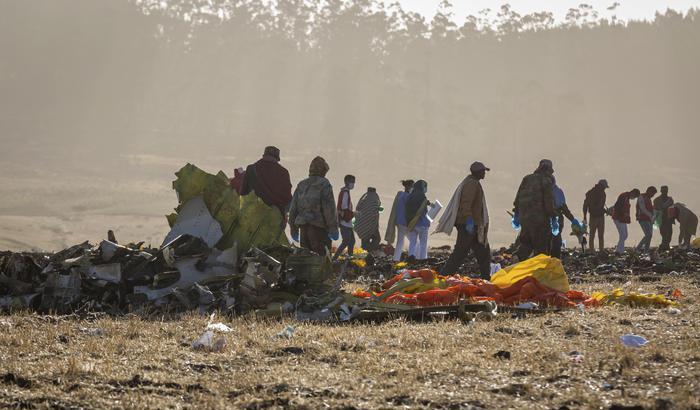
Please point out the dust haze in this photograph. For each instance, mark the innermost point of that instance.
(102, 101)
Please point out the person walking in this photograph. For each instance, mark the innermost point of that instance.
(534, 211)
(645, 217)
(468, 212)
(313, 219)
(418, 222)
(688, 222)
(396, 227)
(345, 216)
(665, 223)
(367, 220)
(269, 180)
(594, 204)
(622, 217)
(562, 210)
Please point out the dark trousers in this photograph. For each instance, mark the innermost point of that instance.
(372, 243)
(557, 242)
(666, 231)
(348, 241)
(468, 242)
(535, 238)
(314, 239)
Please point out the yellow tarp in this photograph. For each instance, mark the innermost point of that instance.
(547, 270)
(618, 297)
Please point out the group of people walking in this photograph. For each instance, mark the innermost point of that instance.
(316, 217)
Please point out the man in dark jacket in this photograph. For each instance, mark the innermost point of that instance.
(622, 217)
(534, 210)
(595, 205)
(661, 205)
(269, 180)
(313, 210)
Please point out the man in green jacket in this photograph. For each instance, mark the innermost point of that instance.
(535, 211)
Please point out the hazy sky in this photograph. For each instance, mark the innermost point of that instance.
(628, 9)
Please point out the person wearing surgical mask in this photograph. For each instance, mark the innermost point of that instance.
(345, 216)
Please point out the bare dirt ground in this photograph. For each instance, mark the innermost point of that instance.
(133, 362)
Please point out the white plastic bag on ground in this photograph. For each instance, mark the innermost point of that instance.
(209, 342)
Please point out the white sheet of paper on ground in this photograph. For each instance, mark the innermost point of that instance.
(195, 219)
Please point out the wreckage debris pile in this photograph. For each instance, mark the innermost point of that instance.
(229, 253)
(210, 260)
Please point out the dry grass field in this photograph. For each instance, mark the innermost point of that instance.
(135, 362)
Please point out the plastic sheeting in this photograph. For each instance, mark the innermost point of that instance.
(548, 271)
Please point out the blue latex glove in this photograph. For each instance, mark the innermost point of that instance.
(334, 236)
(295, 236)
(554, 224)
(469, 226)
(515, 222)
(576, 223)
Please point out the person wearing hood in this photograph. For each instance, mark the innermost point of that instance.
(313, 219)
(468, 212)
(418, 223)
(688, 222)
(269, 180)
(661, 205)
(595, 205)
(345, 216)
(562, 210)
(367, 220)
(622, 217)
(645, 217)
(396, 229)
(534, 211)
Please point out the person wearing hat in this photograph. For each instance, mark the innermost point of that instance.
(534, 210)
(269, 180)
(594, 204)
(661, 205)
(313, 219)
(468, 212)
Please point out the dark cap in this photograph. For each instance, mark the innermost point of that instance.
(478, 167)
(274, 152)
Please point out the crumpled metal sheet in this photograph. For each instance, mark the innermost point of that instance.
(195, 219)
(245, 220)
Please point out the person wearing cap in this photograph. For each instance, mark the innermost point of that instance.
(622, 217)
(468, 212)
(594, 204)
(269, 180)
(313, 219)
(645, 217)
(534, 210)
(661, 205)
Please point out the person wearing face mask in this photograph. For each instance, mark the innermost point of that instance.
(535, 212)
(468, 212)
(345, 216)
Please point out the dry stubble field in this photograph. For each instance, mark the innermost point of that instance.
(55, 362)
